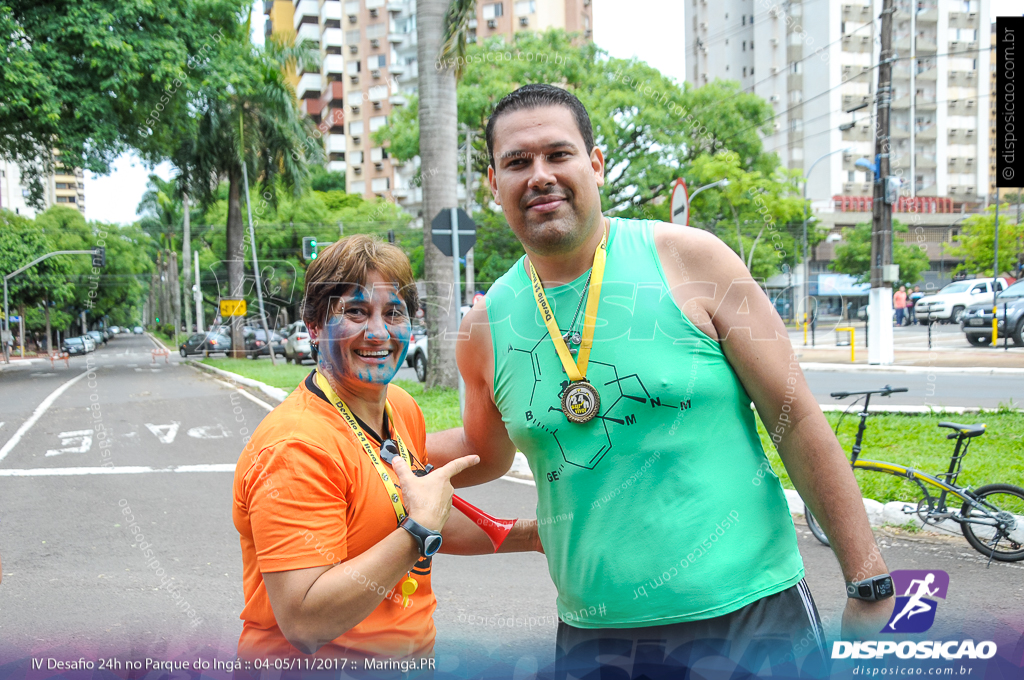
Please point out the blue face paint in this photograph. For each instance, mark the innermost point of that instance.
(344, 331)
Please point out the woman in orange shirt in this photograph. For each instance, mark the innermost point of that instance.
(337, 516)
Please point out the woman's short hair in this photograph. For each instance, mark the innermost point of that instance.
(346, 264)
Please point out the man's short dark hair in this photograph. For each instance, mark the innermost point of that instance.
(535, 96)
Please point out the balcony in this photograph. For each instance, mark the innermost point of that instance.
(924, 162)
(396, 38)
(309, 86)
(925, 103)
(901, 103)
(335, 143)
(794, 81)
(331, 11)
(926, 132)
(860, 13)
(332, 37)
(397, 69)
(334, 64)
(309, 32)
(335, 91)
(899, 132)
(929, 74)
(313, 107)
(928, 16)
(968, 78)
(926, 46)
(336, 166)
(398, 6)
(306, 12)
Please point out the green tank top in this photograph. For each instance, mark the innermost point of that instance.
(663, 508)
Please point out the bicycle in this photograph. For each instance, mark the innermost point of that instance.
(984, 522)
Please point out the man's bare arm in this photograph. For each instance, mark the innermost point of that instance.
(483, 432)
(757, 346)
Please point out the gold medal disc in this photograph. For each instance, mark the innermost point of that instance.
(581, 402)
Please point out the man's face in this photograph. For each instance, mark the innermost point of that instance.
(544, 179)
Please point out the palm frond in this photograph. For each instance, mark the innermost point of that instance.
(453, 48)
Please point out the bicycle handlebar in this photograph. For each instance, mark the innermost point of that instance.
(885, 392)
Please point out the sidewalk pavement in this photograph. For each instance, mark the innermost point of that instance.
(922, 358)
(18, 362)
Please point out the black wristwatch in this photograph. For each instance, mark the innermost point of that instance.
(428, 541)
(875, 588)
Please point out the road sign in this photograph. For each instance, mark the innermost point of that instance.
(680, 202)
(441, 232)
(232, 307)
(99, 256)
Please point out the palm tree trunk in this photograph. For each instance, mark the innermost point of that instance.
(235, 257)
(186, 265)
(439, 168)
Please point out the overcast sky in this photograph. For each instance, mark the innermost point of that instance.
(651, 30)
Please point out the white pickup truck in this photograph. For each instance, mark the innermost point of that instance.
(949, 303)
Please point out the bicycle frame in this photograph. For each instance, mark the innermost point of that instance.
(924, 480)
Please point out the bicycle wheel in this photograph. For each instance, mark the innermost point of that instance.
(813, 525)
(1005, 543)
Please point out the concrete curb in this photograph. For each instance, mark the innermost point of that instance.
(914, 409)
(869, 368)
(20, 362)
(275, 393)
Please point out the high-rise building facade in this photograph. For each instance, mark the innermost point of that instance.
(370, 64)
(65, 187)
(816, 60)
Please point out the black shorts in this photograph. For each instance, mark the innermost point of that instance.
(779, 635)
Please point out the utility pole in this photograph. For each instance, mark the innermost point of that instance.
(880, 346)
(995, 276)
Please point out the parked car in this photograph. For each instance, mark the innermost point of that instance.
(205, 344)
(97, 337)
(296, 346)
(256, 343)
(417, 358)
(949, 303)
(138, 330)
(977, 319)
(77, 345)
(115, 330)
(418, 331)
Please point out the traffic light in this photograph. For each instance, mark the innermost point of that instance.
(391, 235)
(99, 256)
(308, 248)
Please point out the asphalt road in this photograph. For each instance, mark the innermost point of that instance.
(72, 582)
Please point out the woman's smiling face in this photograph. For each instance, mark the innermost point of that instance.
(366, 335)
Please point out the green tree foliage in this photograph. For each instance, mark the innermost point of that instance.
(977, 243)
(496, 249)
(853, 255)
(21, 241)
(648, 126)
(321, 179)
(82, 78)
(759, 216)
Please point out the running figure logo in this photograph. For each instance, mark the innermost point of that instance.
(915, 610)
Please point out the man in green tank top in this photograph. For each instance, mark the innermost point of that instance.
(621, 357)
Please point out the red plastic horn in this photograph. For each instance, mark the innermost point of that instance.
(496, 529)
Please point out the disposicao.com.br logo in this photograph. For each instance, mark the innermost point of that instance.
(914, 612)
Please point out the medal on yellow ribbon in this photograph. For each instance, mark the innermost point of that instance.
(581, 401)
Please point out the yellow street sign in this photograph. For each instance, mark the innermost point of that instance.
(230, 307)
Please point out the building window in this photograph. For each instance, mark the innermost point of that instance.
(376, 61)
(744, 18)
(61, 185)
(377, 122)
(352, 37)
(744, 45)
(526, 7)
(358, 187)
(493, 11)
(851, 176)
(744, 71)
(376, 31)
(355, 128)
(64, 199)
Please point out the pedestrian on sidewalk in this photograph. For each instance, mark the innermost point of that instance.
(899, 303)
(912, 303)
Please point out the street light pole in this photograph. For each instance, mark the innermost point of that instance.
(804, 261)
(720, 183)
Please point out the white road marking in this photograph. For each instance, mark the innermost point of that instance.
(151, 370)
(217, 431)
(123, 470)
(165, 433)
(37, 414)
(43, 375)
(84, 442)
(529, 482)
(246, 395)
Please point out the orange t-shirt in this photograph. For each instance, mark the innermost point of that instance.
(307, 495)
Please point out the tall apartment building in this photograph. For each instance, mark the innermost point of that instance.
(65, 187)
(815, 60)
(370, 63)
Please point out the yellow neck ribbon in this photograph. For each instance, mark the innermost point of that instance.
(576, 370)
(378, 465)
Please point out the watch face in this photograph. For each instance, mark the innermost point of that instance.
(883, 587)
(431, 545)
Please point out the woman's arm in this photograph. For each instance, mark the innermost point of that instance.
(316, 605)
(462, 536)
